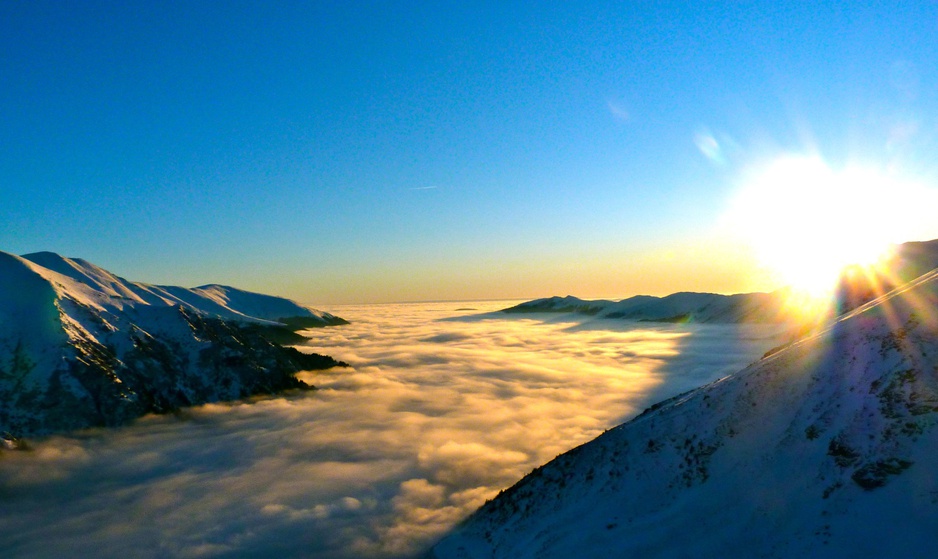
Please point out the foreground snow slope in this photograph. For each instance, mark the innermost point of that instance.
(80, 346)
(827, 448)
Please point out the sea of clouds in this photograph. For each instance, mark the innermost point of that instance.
(443, 407)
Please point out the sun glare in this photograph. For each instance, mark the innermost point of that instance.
(807, 222)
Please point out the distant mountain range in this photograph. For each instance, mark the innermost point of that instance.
(678, 307)
(81, 347)
(857, 286)
(826, 448)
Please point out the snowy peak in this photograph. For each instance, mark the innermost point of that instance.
(27, 304)
(825, 448)
(85, 273)
(80, 346)
(102, 289)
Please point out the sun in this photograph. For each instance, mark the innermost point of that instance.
(806, 222)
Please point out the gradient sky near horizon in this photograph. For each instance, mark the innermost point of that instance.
(338, 152)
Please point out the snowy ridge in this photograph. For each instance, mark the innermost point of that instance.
(81, 347)
(678, 307)
(111, 291)
(828, 447)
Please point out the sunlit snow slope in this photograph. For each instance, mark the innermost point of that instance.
(827, 448)
(80, 346)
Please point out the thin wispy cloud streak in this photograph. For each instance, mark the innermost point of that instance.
(433, 418)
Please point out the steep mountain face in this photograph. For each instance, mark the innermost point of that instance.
(827, 448)
(678, 307)
(82, 347)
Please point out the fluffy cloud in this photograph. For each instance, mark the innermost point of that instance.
(439, 413)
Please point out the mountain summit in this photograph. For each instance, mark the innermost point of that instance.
(825, 448)
(80, 346)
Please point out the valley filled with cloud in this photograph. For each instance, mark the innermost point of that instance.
(443, 406)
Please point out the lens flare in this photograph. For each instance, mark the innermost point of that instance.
(806, 222)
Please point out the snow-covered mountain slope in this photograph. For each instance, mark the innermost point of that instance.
(826, 448)
(678, 307)
(215, 300)
(81, 347)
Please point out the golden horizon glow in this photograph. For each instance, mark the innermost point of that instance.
(807, 222)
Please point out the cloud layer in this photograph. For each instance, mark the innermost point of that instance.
(441, 410)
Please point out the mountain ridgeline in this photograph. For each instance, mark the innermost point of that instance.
(81, 347)
(678, 307)
(857, 286)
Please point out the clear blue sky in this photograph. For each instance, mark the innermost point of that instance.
(373, 151)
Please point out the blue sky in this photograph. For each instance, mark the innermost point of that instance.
(380, 151)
